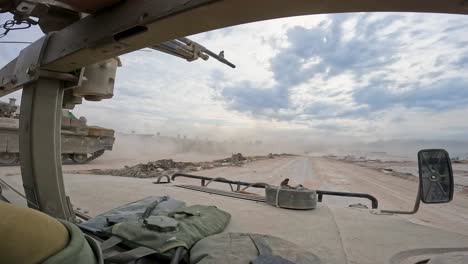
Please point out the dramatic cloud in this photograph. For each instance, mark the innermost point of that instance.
(377, 51)
(441, 95)
(366, 76)
(390, 60)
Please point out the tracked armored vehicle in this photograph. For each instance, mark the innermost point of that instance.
(80, 143)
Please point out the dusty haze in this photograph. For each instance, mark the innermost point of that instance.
(148, 147)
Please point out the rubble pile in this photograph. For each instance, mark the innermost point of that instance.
(169, 166)
(397, 168)
(150, 169)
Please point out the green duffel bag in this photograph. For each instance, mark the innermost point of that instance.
(241, 248)
(181, 228)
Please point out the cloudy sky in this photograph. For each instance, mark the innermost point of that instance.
(374, 76)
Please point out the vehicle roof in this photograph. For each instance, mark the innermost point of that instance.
(335, 234)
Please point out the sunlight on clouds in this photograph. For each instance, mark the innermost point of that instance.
(364, 76)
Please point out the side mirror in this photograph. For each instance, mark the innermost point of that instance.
(435, 179)
(435, 176)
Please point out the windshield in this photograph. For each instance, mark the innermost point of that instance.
(339, 102)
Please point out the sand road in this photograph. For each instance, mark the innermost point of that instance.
(98, 193)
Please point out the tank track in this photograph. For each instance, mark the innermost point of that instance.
(95, 155)
(12, 160)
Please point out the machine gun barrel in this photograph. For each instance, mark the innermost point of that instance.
(178, 49)
(219, 57)
(190, 50)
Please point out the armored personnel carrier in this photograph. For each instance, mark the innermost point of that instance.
(80, 143)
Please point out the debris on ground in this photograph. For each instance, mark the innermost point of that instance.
(236, 159)
(458, 160)
(379, 165)
(404, 168)
(169, 166)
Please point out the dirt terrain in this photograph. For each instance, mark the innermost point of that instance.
(167, 167)
(406, 168)
(313, 172)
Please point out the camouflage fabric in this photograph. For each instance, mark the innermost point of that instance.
(34, 237)
(29, 236)
(193, 223)
(241, 248)
(81, 249)
(133, 211)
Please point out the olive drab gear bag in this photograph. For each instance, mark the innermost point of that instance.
(160, 205)
(157, 226)
(241, 248)
(181, 228)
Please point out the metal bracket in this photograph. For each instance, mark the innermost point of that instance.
(374, 201)
(24, 69)
(415, 208)
(320, 193)
(40, 144)
(159, 179)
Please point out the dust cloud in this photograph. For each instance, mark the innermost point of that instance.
(143, 148)
(134, 148)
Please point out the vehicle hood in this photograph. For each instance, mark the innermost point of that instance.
(368, 237)
(335, 234)
(348, 235)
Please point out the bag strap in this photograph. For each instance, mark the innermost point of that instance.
(134, 254)
(112, 241)
(271, 259)
(261, 245)
(266, 253)
(129, 256)
(153, 206)
(123, 257)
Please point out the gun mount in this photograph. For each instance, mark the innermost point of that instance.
(190, 50)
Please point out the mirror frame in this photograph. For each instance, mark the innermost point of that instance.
(451, 186)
